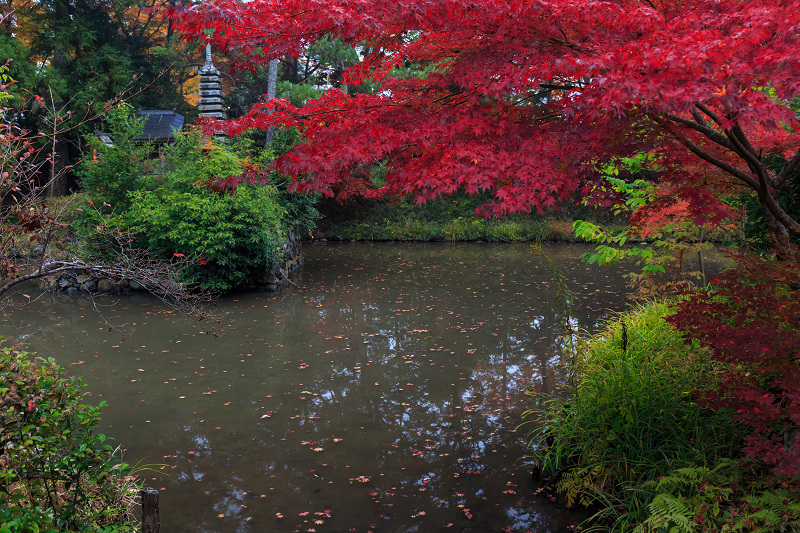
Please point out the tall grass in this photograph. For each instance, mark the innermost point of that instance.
(631, 419)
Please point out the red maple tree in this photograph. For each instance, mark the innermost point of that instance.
(527, 98)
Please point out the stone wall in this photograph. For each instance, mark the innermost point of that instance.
(290, 260)
(76, 280)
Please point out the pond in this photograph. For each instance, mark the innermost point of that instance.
(383, 393)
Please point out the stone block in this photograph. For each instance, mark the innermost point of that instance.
(107, 285)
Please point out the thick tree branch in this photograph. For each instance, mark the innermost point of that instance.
(769, 202)
(703, 128)
(727, 167)
(710, 114)
(746, 150)
(790, 166)
(32, 275)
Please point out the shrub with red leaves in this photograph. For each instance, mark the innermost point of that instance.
(750, 319)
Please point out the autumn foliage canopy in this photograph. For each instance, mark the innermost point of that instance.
(526, 98)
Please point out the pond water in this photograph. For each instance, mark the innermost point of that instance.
(383, 393)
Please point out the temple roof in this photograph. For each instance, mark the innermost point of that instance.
(160, 126)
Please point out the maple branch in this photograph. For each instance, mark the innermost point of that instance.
(787, 170)
(727, 167)
(734, 139)
(773, 208)
(703, 128)
(560, 87)
(746, 150)
(708, 112)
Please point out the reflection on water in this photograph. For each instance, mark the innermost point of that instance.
(381, 394)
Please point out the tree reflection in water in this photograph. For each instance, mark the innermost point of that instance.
(384, 394)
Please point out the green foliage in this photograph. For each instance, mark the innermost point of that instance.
(632, 419)
(228, 236)
(170, 206)
(298, 94)
(728, 497)
(20, 66)
(660, 246)
(56, 474)
(445, 219)
(114, 172)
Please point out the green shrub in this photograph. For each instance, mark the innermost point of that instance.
(228, 237)
(181, 205)
(632, 418)
(113, 172)
(56, 474)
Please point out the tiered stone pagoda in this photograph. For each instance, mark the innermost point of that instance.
(210, 89)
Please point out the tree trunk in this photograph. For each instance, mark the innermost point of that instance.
(272, 89)
(57, 180)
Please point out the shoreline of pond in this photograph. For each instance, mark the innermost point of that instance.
(434, 386)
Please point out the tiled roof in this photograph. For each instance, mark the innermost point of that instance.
(160, 125)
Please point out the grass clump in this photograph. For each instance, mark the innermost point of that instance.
(631, 420)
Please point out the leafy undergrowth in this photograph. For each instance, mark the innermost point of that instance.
(637, 444)
(446, 219)
(750, 321)
(56, 474)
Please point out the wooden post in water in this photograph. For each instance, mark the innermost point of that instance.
(151, 522)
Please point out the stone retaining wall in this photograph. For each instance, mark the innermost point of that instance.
(290, 261)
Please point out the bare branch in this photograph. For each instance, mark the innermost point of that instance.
(727, 167)
(746, 150)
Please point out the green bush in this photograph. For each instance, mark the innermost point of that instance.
(112, 173)
(730, 496)
(227, 236)
(632, 418)
(56, 474)
(179, 204)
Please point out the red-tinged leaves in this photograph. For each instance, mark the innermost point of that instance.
(750, 320)
(527, 97)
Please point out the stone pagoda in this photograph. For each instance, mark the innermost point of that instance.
(210, 89)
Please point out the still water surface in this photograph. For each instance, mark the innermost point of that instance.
(383, 393)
